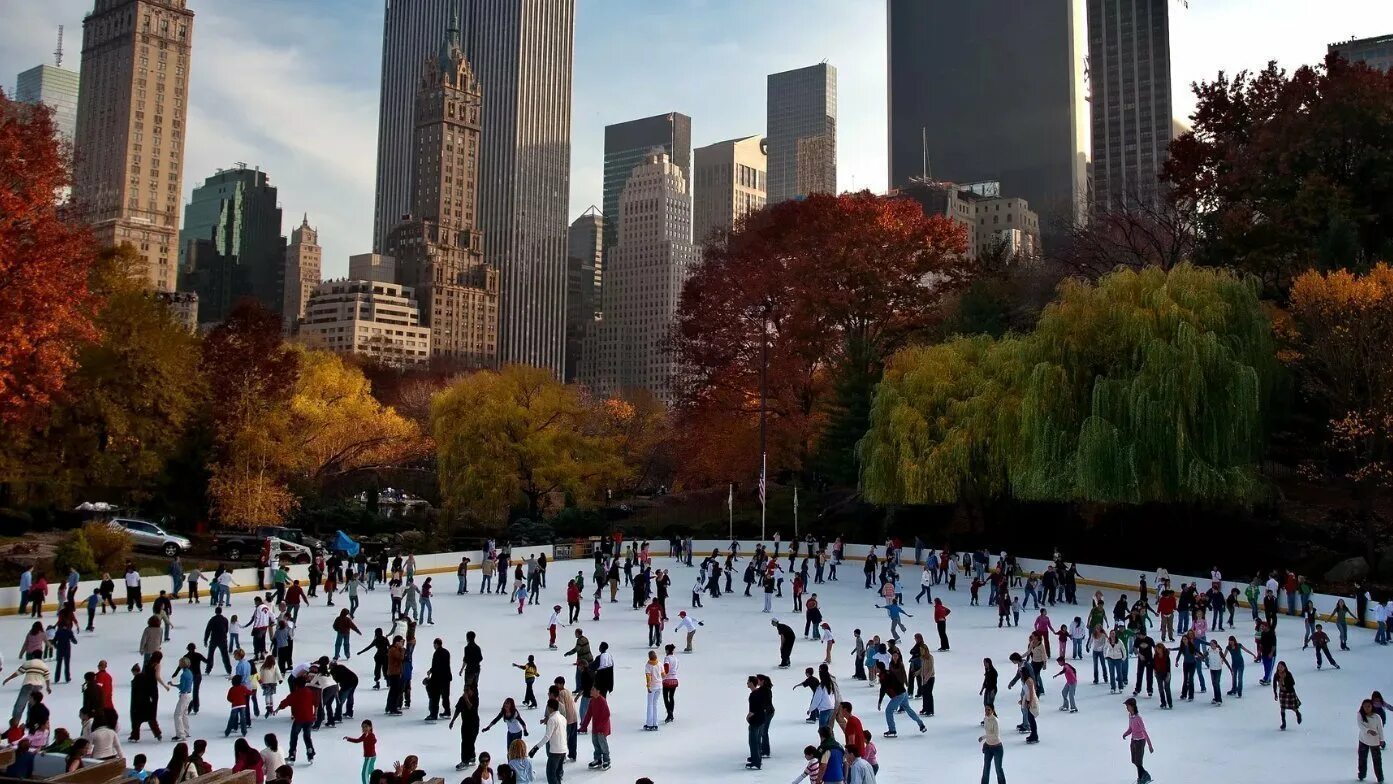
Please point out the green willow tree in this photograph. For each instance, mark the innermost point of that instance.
(1148, 386)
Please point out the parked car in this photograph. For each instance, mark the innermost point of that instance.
(150, 536)
(237, 545)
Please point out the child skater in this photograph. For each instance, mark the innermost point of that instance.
(369, 741)
(552, 623)
(529, 674)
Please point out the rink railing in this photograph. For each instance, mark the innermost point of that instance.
(432, 564)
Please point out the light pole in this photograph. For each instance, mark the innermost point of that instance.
(763, 396)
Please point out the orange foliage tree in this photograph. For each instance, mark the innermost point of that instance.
(840, 282)
(46, 307)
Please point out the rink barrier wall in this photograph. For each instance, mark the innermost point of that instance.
(244, 579)
(1109, 577)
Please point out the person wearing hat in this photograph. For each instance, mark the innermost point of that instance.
(552, 624)
(688, 624)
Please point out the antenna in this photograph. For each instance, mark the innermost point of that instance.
(925, 170)
(58, 53)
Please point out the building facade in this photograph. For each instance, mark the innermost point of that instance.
(1377, 52)
(372, 266)
(237, 210)
(183, 307)
(802, 126)
(992, 90)
(629, 144)
(410, 33)
(129, 144)
(439, 252)
(584, 273)
(521, 53)
(1129, 79)
(303, 264)
(643, 278)
(729, 181)
(56, 88)
(988, 217)
(373, 319)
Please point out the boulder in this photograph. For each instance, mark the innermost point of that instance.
(1348, 570)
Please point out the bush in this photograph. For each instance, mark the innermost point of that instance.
(74, 553)
(527, 532)
(111, 547)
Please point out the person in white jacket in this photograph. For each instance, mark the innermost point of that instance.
(688, 624)
(554, 740)
(1370, 741)
(653, 681)
(670, 682)
(926, 581)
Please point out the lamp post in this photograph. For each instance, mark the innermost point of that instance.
(763, 429)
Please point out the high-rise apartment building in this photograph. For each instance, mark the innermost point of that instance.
(521, 53)
(1377, 52)
(129, 144)
(802, 128)
(728, 182)
(410, 33)
(988, 217)
(439, 252)
(991, 90)
(236, 210)
(303, 258)
(643, 278)
(55, 87)
(374, 319)
(1129, 78)
(584, 270)
(628, 144)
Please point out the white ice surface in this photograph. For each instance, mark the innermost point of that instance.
(1238, 742)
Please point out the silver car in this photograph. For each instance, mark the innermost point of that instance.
(147, 535)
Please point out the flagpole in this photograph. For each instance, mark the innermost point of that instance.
(763, 493)
(730, 509)
(795, 512)
(763, 439)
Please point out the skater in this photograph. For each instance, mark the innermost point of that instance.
(1071, 684)
(529, 676)
(786, 637)
(653, 684)
(892, 685)
(757, 717)
(858, 655)
(1322, 642)
(369, 741)
(1141, 741)
(1236, 651)
(992, 750)
(1216, 660)
(597, 720)
(941, 613)
(655, 623)
(894, 611)
(1341, 613)
(1284, 692)
(688, 624)
(513, 723)
(1370, 740)
(467, 713)
(670, 682)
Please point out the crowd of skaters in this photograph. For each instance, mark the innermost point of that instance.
(320, 691)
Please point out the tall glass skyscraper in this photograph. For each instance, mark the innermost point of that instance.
(236, 211)
(628, 144)
(802, 128)
(54, 87)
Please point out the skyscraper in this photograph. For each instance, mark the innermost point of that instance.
(991, 90)
(728, 181)
(521, 53)
(236, 210)
(410, 33)
(1376, 51)
(302, 272)
(129, 144)
(802, 128)
(440, 252)
(54, 86)
(584, 268)
(1130, 95)
(629, 144)
(643, 278)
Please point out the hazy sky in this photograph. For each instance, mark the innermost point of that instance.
(291, 85)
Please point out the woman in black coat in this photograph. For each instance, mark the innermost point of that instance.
(145, 698)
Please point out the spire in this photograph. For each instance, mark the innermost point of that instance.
(451, 44)
(306, 221)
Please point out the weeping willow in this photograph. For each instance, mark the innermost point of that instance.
(1149, 386)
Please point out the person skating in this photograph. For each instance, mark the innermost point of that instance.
(529, 677)
(1030, 708)
(597, 722)
(654, 613)
(1140, 740)
(1322, 642)
(670, 682)
(653, 687)
(992, 750)
(473, 659)
(513, 722)
(1284, 692)
(302, 703)
(894, 611)
(757, 716)
(786, 638)
(1215, 659)
(858, 655)
(1161, 664)
(555, 741)
(893, 686)
(688, 624)
(369, 742)
(467, 713)
(1371, 742)
(941, 613)
(1071, 684)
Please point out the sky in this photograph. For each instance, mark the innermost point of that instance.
(292, 85)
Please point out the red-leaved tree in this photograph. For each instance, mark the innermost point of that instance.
(841, 281)
(46, 307)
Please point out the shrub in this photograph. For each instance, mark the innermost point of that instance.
(74, 553)
(110, 547)
(527, 532)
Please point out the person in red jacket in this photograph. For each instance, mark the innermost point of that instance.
(239, 696)
(294, 597)
(573, 601)
(302, 704)
(597, 719)
(941, 612)
(104, 683)
(1165, 606)
(655, 623)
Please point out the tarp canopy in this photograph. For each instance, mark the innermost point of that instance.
(345, 545)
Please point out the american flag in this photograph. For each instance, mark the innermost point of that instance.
(763, 465)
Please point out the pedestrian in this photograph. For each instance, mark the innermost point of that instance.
(369, 741)
(1284, 692)
(1371, 740)
(1140, 740)
(992, 750)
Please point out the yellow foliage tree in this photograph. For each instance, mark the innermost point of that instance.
(519, 435)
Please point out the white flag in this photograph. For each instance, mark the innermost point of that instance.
(795, 500)
(730, 500)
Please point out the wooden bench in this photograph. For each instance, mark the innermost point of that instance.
(108, 772)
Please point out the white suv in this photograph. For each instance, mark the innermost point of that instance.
(147, 535)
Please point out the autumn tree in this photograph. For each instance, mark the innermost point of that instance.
(833, 284)
(519, 437)
(1286, 171)
(126, 405)
(1134, 233)
(640, 428)
(46, 307)
(1149, 386)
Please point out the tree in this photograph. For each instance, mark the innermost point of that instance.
(1135, 234)
(519, 436)
(1285, 172)
(831, 282)
(1340, 343)
(127, 403)
(1148, 386)
(46, 306)
(640, 428)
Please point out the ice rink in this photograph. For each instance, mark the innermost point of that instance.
(1238, 742)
